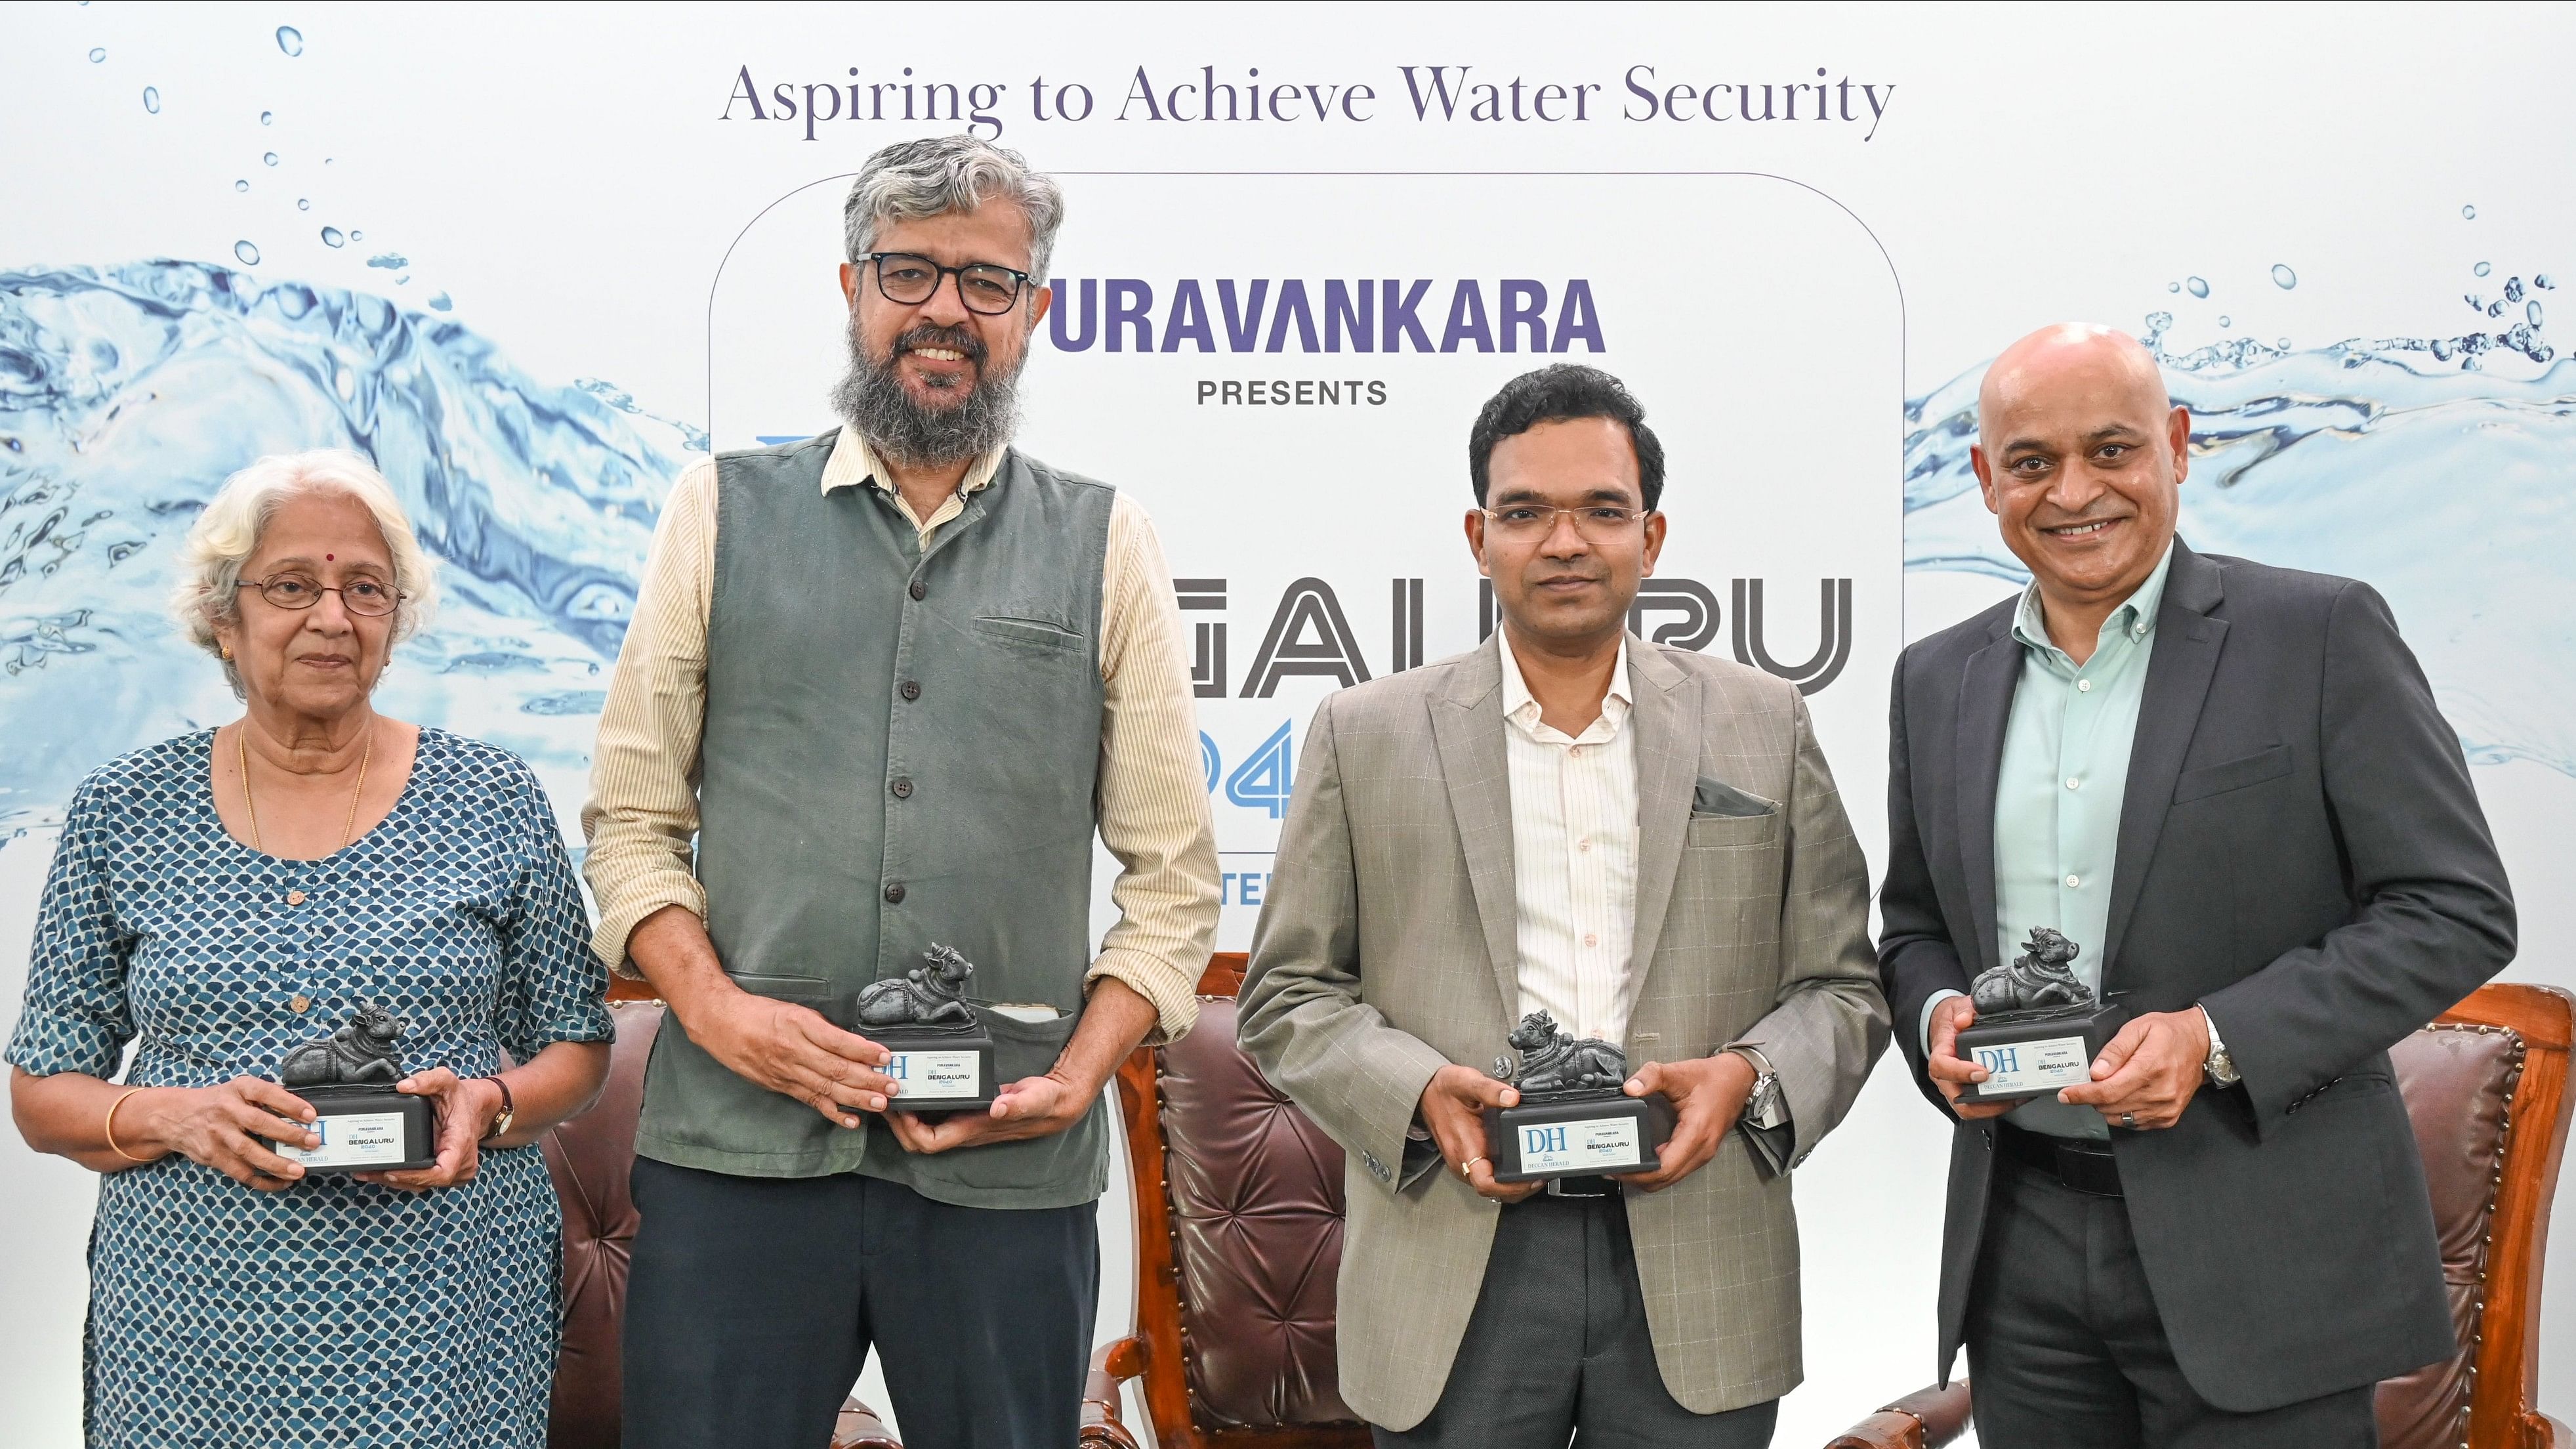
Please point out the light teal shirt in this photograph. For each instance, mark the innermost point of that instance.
(2057, 797)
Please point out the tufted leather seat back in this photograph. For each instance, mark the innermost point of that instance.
(1256, 1214)
(589, 1158)
(2459, 1083)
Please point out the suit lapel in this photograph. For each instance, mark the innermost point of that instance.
(1985, 707)
(1467, 725)
(1667, 716)
(2179, 669)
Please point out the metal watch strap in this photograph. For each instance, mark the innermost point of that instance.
(2220, 1066)
(508, 1113)
(1762, 1105)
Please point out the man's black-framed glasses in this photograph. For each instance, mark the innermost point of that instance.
(364, 597)
(912, 280)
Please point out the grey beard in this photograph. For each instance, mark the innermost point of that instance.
(872, 400)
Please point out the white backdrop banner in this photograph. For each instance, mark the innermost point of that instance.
(536, 260)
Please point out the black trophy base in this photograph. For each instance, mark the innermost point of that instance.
(938, 1071)
(1577, 1134)
(2037, 1053)
(365, 1129)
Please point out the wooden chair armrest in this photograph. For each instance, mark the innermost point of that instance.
(860, 1428)
(1924, 1419)
(1112, 1364)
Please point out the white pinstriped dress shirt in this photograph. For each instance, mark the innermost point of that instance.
(1574, 856)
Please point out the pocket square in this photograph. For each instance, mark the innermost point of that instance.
(1716, 797)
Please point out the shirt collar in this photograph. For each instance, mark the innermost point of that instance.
(2135, 618)
(1522, 708)
(853, 462)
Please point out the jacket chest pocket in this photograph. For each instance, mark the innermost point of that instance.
(1029, 638)
(1727, 891)
(1724, 832)
(2261, 767)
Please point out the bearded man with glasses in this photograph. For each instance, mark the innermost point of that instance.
(1641, 841)
(893, 680)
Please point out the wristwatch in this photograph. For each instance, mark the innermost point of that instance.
(2220, 1068)
(509, 1110)
(1766, 1105)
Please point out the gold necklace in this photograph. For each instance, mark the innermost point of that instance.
(348, 825)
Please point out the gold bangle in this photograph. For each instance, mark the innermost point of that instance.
(110, 1126)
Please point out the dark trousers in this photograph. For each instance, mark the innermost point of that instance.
(1557, 1348)
(753, 1301)
(2065, 1346)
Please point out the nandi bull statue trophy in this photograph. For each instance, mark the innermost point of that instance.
(943, 1052)
(2038, 1026)
(348, 1076)
(1572, 1120)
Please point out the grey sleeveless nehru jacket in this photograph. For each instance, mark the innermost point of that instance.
(901, 747)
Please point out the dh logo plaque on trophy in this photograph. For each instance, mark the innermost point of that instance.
(1573, 1119)
(943, 1053)
(348, 1077)
(2038, 1028)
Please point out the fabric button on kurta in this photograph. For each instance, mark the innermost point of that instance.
(894, 894)
(295, 898)
(299, 1002)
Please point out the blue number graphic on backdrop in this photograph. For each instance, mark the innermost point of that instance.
(1208, 759)
(1263, 781)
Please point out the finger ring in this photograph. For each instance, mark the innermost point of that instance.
(2129, 1119)
(1468, 1169)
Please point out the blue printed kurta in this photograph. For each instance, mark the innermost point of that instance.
(335, 1312)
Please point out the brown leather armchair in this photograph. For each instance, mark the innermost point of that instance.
(2487, 1088)
(1238, 1237)
(588, 1158)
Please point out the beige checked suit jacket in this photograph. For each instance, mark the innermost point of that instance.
(1386, 950)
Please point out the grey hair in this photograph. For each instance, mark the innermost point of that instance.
(227, 533)
(938, 175)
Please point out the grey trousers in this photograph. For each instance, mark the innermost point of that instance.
(1557, 1348)
(2065, 1346)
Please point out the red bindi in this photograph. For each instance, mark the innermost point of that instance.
(326, 558)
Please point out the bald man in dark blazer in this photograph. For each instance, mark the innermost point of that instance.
(2229, 783)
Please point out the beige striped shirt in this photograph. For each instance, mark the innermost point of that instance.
(642, 815)
(1574, 856)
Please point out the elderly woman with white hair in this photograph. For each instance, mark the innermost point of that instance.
(220, 898)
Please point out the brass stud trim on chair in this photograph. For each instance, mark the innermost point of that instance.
(2495, 1185)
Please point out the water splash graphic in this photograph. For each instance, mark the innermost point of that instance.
(152, 99)
(126, 396)
(331, 236)
(2283, 277)
(290, 40)
(2452, 492)
(249, 254)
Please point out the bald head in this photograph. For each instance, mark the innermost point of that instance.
(2080, 453)
(2071, 357)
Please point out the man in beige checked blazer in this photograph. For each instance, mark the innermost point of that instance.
(1644, 842)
